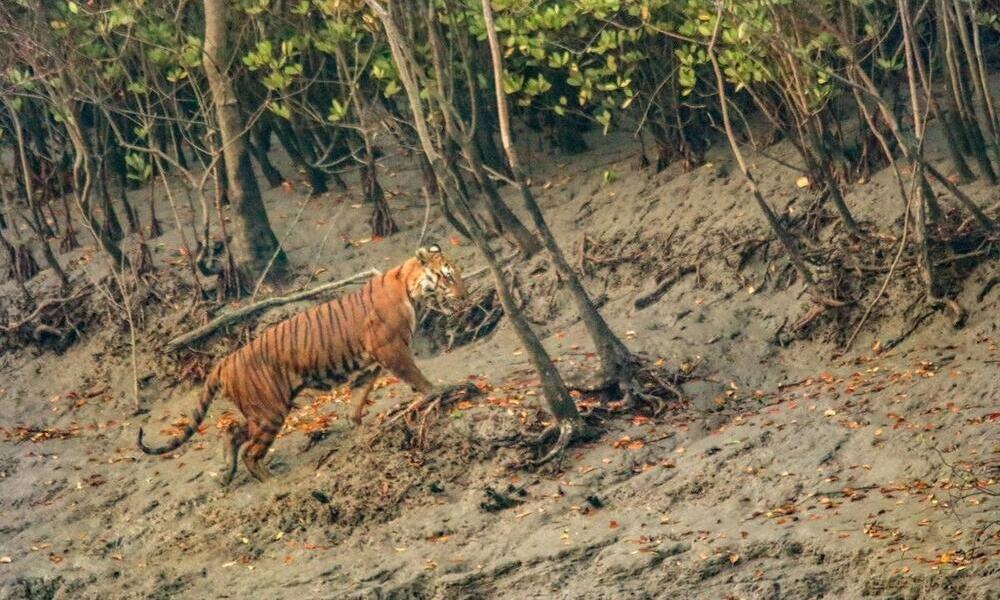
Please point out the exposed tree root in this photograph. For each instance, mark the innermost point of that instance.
(430, 403)
(68, 241)
(44, 306)
(381, 220)
(424, 407)
(22, 265)
(987, 288)
(641, 384)
(566, 431)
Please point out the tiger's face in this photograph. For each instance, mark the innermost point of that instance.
(437, 277)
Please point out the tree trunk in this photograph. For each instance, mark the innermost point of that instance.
(287, 137)
(254, 245)
(22, 264)
(557, 398)
(783, 236)
(50, 257)
(381, 220)
(617, 363)
(462, 134)
(272, 174)
(178, 139)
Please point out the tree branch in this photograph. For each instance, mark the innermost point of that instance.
(245, 311)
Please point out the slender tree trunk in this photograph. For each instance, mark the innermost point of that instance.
(22, 264)
(263, 134)
(617, 362)
(557, 397)
(50, 257)
(464, 136)
(178, 139)
(254, 244)
(783, 236)
(381, 221)
(986, 117)
(273, 175)
(287, 137)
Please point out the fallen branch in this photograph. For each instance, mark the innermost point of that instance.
(245, 311)
(503, 261)
(423, 405)
(41, 307)
(987, 288)
(643, 301)
(984, 221)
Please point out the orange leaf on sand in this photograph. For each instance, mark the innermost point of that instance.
(636, 444)
(613, 525)
(314, 547)
(287, 186)
(455, 240)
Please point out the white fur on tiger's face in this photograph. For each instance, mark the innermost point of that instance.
(438, 278)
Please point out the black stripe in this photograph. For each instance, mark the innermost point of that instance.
(306, 334)
(343, 326)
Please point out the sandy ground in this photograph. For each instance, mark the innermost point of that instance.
(792, 472)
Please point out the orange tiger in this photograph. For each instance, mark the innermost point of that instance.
(356, 335)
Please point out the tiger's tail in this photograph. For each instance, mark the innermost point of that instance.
(208, 394)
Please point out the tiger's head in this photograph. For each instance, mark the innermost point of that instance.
(436, 278)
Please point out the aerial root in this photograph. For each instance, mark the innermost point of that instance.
(566, 431)
(417, 414)
(650, 386)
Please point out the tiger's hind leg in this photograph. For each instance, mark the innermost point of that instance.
(262, 435)
(236, 436)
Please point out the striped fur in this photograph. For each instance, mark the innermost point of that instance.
(349, 339)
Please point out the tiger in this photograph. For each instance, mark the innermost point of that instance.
(350, 339)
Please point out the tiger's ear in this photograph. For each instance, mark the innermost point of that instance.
(424, 254)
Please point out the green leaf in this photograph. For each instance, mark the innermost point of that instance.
(604, 118)
(337, 111)
(391, 89)
(279, 109)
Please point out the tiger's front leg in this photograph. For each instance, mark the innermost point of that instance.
(400, 363)
(361, 389)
